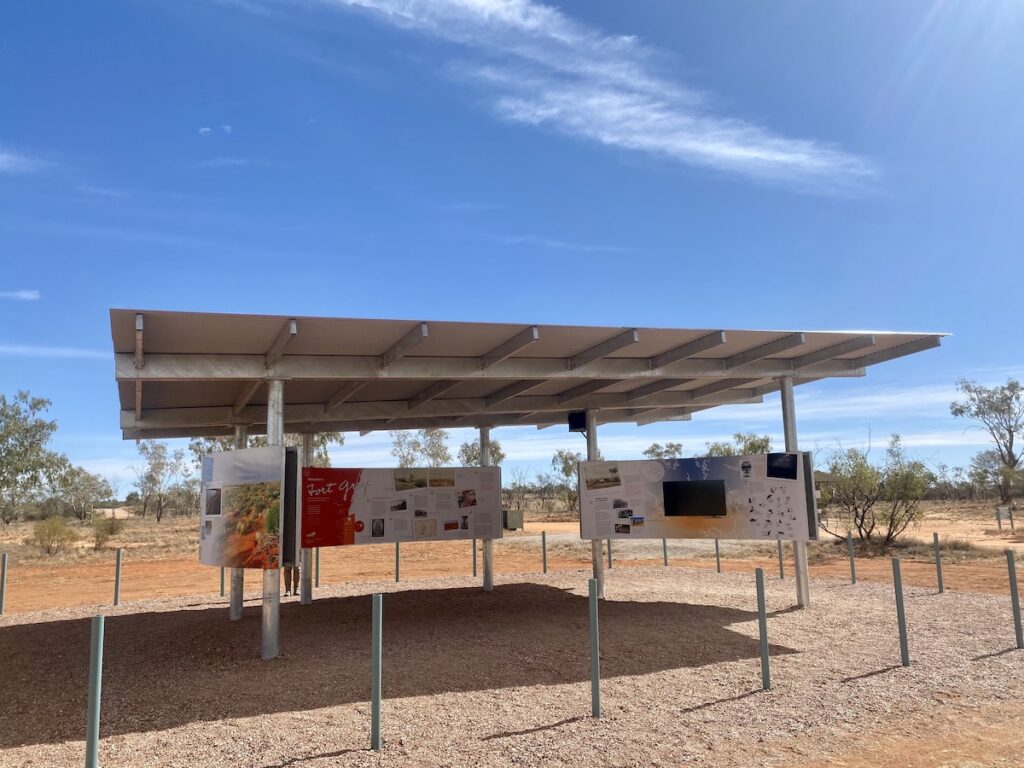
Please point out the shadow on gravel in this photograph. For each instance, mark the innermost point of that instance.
(167, 669)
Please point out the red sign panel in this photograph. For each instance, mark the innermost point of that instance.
(326, 506)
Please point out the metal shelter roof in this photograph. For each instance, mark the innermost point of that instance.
(185, 374)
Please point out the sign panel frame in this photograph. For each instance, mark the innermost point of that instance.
(344, 506)
(764, 497)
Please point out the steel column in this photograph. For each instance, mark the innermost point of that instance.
(485, 461)
(238, 574)
(305, 554)
(271, 626)
(803, 591)
(595, 544)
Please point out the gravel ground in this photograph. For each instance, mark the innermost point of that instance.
(476, 679)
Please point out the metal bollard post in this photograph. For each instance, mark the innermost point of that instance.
(398, 562)
(938, 561)
(544, 549)
(901, 617)
(317, 572)
(762, 629)
(92, 720)
(222, 581)
(375, 658)
(3, 582)
(782, 573)
(1014, 598)
(595, 652)
(474, 558)
(609, 553)
(664, 551)
(718, 558)
(117, 576)
(849, 550)
(1012, 530)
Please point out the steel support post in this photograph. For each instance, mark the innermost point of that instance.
(305, 555)
(803, 590)
(271, 625)
(595, 544)
(238, 574)
(485, 461)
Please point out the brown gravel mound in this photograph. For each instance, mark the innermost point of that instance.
(479, 679)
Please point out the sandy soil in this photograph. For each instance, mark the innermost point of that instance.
(475, 679)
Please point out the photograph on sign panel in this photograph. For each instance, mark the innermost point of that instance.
(252, 515)
(442, 478)
(600, 476)
(409, 479)
(467, 498)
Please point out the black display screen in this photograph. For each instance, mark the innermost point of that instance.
(694, 498)
(782, 465)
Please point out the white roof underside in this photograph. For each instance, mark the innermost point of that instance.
(184, 374)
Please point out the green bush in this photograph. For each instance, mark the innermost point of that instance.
(52, 535)
(105, 528)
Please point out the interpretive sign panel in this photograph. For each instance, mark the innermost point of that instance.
(240, 508)
(376, 506)
(761, 496)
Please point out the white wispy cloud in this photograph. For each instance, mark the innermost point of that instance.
(23, 350)
(540, 67)
(225, 162)
(469, 206)
(558, 245)
(22, 295)
(12, 162)
(226, 129)
(204, 130)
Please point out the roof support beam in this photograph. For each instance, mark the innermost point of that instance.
(691, 348)
(605, 348)
(836, 350)
(434, 390)
(918, 345)
(653, 388)
(413, 338)
(245, 396)
(343, 394)
(507, 393)
(189, 367)
(140, 362)
(313, 413)
(284, 338)
(717, 387)
(663, 414)
(765, 350)
(586, 388)
(506, 349)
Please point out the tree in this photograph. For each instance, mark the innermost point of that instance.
(880, 503)
(469, 454)
(518, 487)
(1000, 410)
(79, 491)
(666, 451)
(428, 447)
(566, 464)
(162, 470)
(322, 442)
(26, 463)
(988, 473)
(743, 444)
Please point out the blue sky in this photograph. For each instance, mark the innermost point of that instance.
(785, 165)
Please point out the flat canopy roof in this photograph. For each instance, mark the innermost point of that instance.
(188, 374)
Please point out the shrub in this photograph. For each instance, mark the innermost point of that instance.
(104, 528)
(52, 535)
